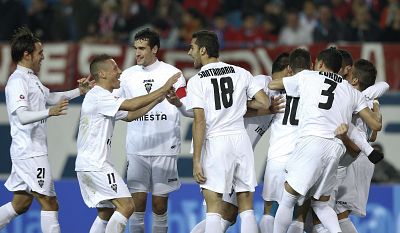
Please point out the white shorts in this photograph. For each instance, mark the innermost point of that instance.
(227, 162)
(155, 174)
(98, 188)
(230, 198)
(313, 165)
(353, 188)
(31, 175)
(274, 180)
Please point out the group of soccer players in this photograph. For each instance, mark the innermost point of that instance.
(320, 116)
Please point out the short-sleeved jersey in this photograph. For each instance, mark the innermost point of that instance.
(24, 89)
(160, 127)
(258, 125)
(326, 101)
(222, 90)
(98, 115)
(371, 93)
(284, 129)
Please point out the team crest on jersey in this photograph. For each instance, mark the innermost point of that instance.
(148, 87)
(22, 97)
(114, 187)
(41, 183)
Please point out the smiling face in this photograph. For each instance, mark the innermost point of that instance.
(145, 55)
(36, 57)
(194, 52)
(112, 73)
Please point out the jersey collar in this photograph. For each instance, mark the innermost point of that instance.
(25, 70)
(152, 66)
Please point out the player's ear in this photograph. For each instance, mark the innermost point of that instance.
(203, 51)
(154, 50)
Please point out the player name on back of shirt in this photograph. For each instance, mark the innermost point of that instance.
(216, 71)
(335, 77)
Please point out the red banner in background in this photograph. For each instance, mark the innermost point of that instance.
(65, 63)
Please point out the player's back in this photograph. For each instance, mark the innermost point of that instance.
(326, 101)
(223, 90)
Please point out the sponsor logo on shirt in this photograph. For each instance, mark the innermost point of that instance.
(153, 117)
(260, 130)
(148, 84)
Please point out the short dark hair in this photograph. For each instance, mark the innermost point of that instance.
(22, 40)
(347, 59)
(299, 59)
(95, 64)
(149, 35)
(280, 63)
(365, 72)
(331, 58)
(208, 40)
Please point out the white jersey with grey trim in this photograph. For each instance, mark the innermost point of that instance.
(24, 89)
(371, 93)
(160, 127)
(98, 115)
(326, 101)
(222, 90)
(258, 125)
(283, 129)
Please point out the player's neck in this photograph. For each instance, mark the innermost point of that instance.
(209, 60)
(25, 64)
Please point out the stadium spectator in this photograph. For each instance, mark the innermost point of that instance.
(132, 16)
(8, 10)
(293, 32)
(328, 29)
(341, 9)
(308, 16)
(250, 34)
(40, 16)
(169, 34)
(362, 27)
(205, 7)
(388, 13)
(192, 21)
(227, 35)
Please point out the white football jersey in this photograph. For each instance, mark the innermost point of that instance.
(98, 115)
(160, 127)
(222, 90)
(24, 89)
(258, 125)
(326, 101)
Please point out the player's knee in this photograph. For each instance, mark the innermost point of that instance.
(128, 207)
(48, 203)
(159, 207)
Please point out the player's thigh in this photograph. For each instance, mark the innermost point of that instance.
(244, 174)
(164, 175)
(139, 173)
(274, 180)
(31, 175)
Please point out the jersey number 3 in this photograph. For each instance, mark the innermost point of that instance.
(223, 91)
(329, 93)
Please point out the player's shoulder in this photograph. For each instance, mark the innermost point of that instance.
(133, 69)
(169, 67)
(16, 77)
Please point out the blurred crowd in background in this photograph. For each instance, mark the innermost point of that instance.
(239, 23)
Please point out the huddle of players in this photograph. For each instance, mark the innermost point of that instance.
(217, 99)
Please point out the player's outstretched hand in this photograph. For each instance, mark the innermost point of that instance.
(341, 131)
(59, 109)
(277, 105)
(171, 81)
(173, 98)
(85, 84)
(198, 173)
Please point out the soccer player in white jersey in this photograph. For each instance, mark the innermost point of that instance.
(26, 99)
(152, 154)
(256, 124)
(326, 102)
(355, 168)
(281, 145)
(101, 186)
(222, 151)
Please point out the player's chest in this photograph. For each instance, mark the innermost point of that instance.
(37, 93)
(143, 84)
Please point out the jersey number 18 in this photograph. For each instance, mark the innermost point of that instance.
(223, 91)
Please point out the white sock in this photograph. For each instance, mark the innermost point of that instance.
(136, 222)
(319, 228)
(213, 223)
(296, 227)
(267, 223)
(284, 214)
(49, 222)
(347, 226)
(99, 226)
(200, 227)
(7, 213)
(248, 222)
(326, 215)
(117, 223)
(225, 224)
(160, 223)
